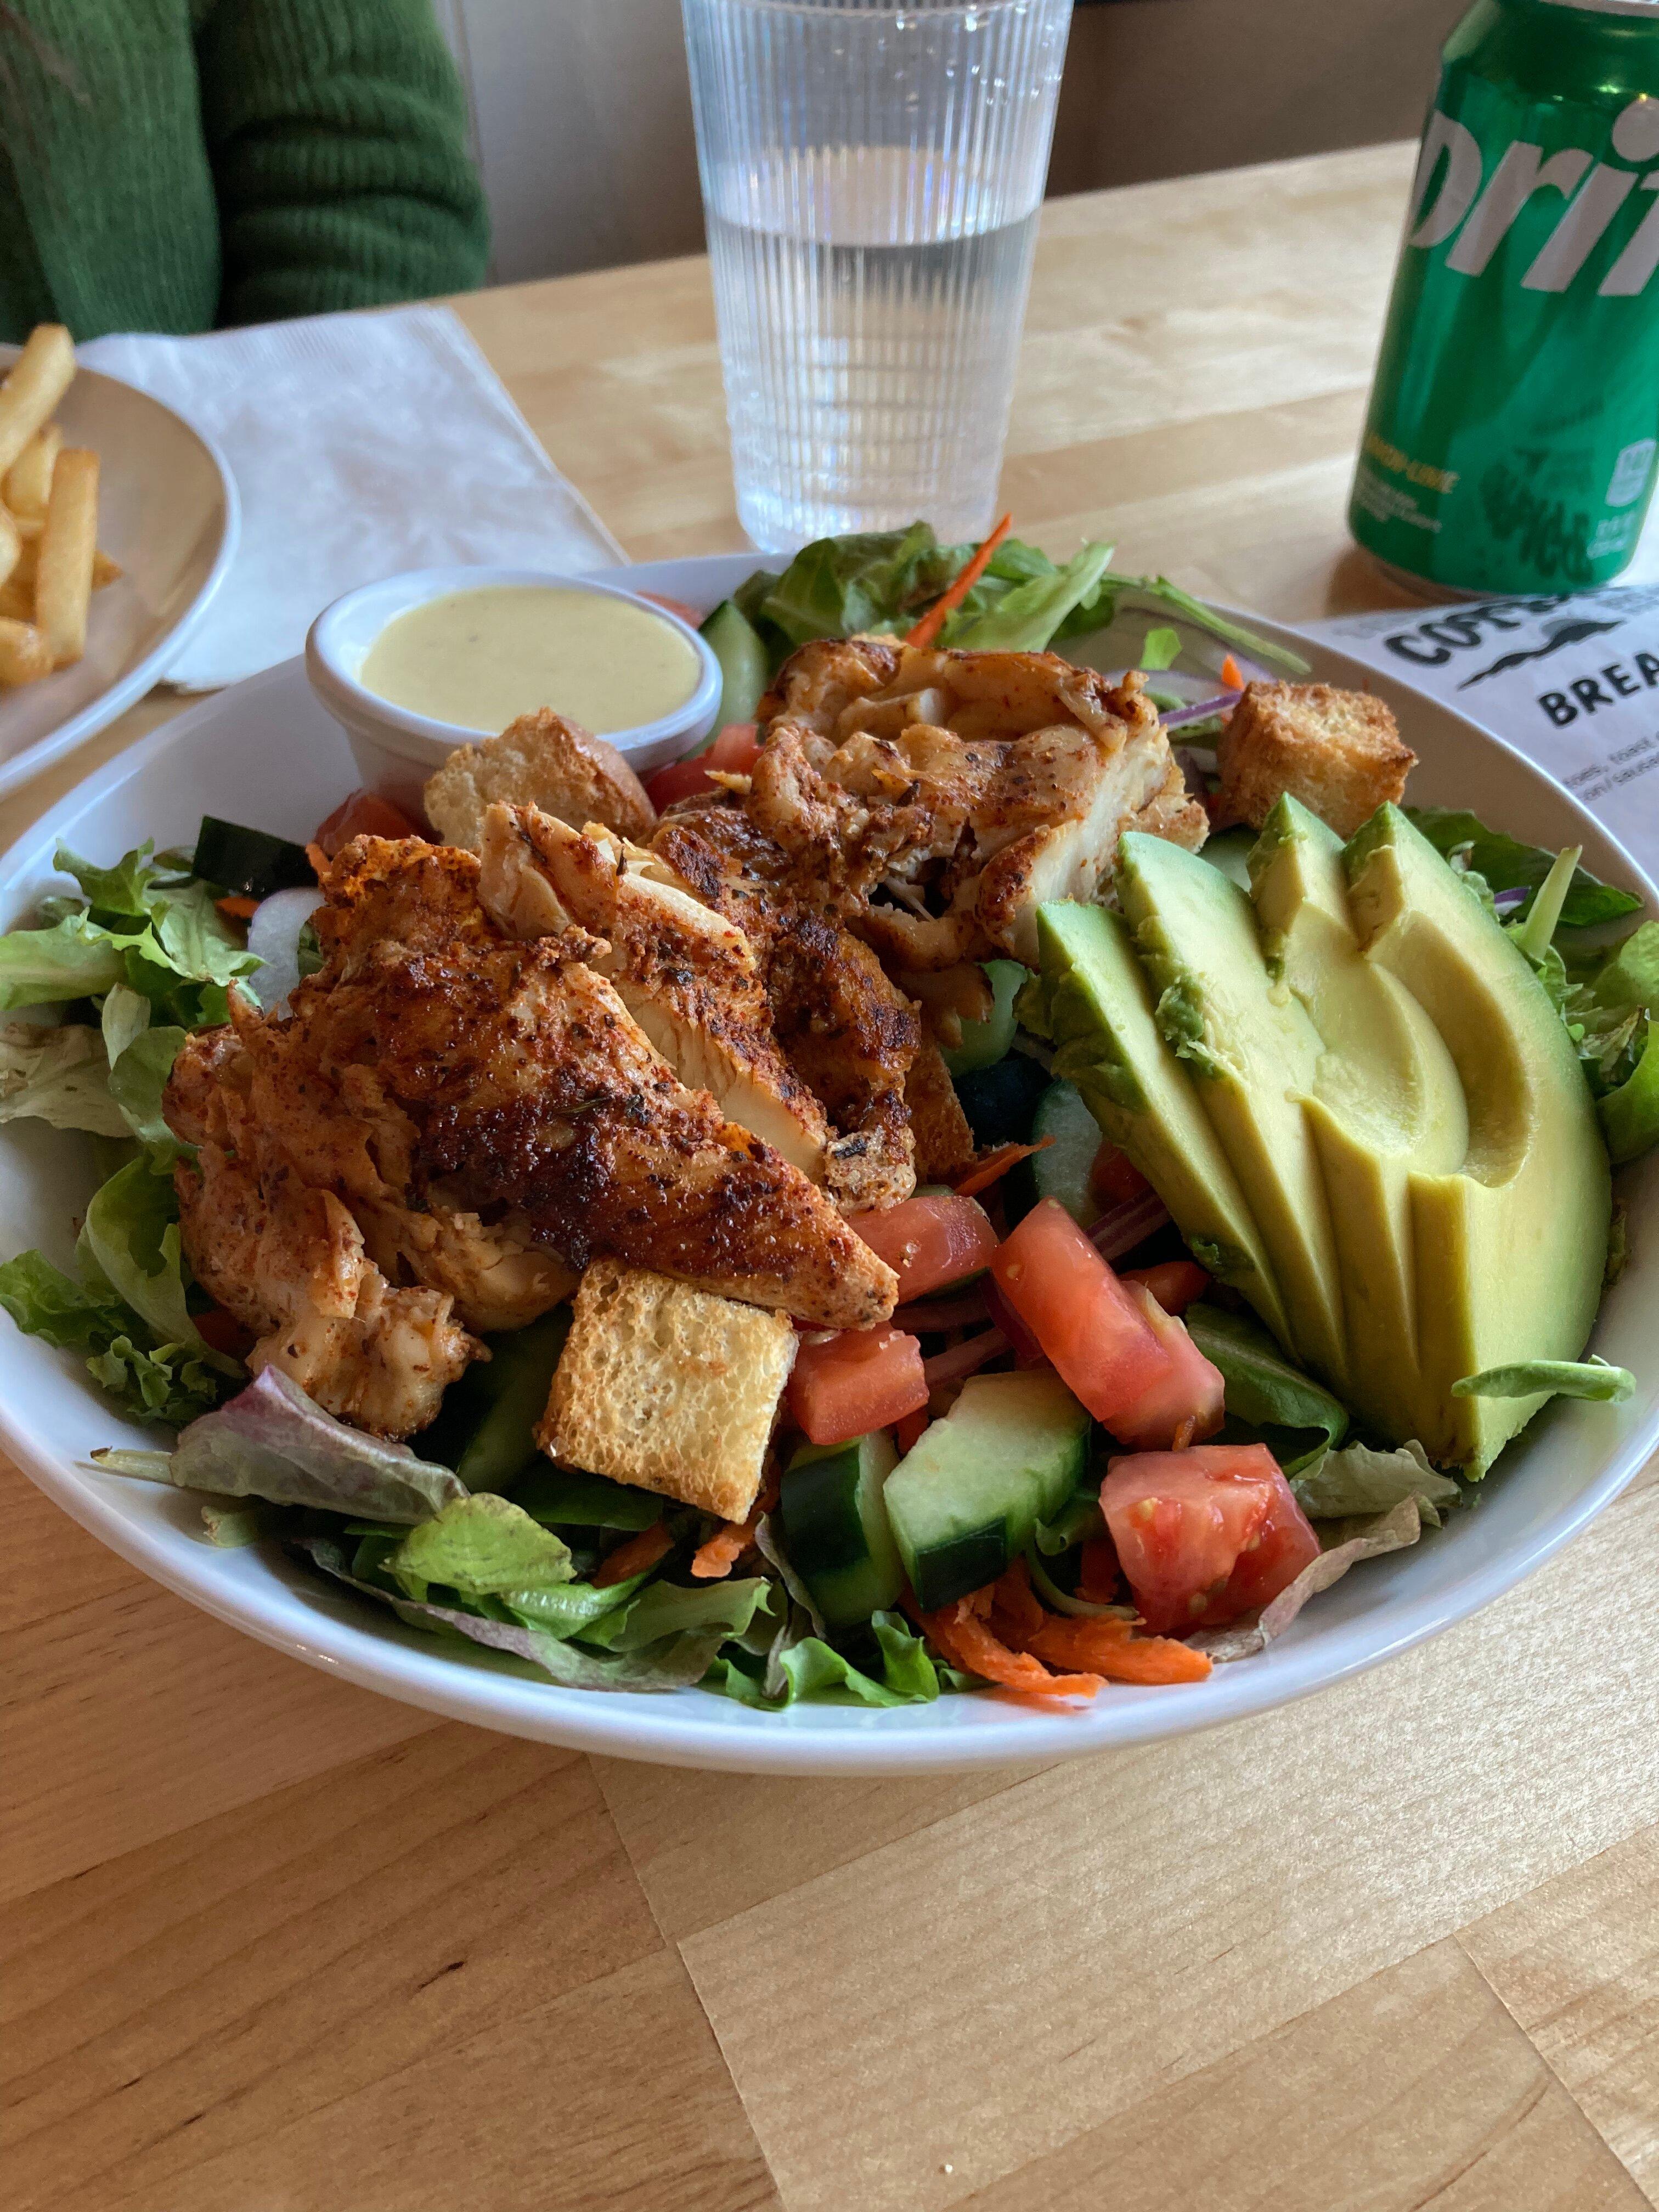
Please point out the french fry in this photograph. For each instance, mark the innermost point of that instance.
(68, 542)
(25, 655)
(11, 545)
(105, 571)
(16, 601)
(37, 381)
(28, 482)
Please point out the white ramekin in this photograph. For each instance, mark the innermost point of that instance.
(396, 750)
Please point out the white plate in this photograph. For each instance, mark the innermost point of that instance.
(167, 512)
(267, 753)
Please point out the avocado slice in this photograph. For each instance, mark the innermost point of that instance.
(1385, 1102)
(1510, 1248)
(1096, 1005)
(1254, 1053)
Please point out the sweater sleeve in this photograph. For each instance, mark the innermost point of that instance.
(335, 129)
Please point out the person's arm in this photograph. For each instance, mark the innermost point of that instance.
(336, 132)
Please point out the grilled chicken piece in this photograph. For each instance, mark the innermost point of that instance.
(847, 1031)
(288, 1262)
(818, 683)
(977, 785)
(494, 1271)
(945, 1142)
(533, 1090)
(688, 976)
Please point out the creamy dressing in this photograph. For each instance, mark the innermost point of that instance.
(478, 659)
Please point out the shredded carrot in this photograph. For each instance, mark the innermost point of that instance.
(908, 1431)
(237, 908)
(1110, 1648)
(925, 631)
(1231, 674)
(725, 1546)
(634, 1557)
(1016, 1615)
(967, 1642)
(994, 1165)
(319, 860)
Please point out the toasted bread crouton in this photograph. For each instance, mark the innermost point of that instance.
(1340, 752)
(668, 1387)
(541, 760)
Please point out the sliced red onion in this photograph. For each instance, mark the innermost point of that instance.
(930, 1317)
(1506, 902)
(1120, 1228)
(965, 1359)
(1252, 671)
(1219, 703)
(1028, 1352)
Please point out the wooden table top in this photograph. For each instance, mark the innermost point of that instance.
(273, 1944)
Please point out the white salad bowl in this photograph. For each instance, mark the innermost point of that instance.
(266, 753)
(396, 750)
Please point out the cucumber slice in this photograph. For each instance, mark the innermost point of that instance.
(965, 1502)
(487, 1428)
(834, 1524)
(250, 862)
(745, 664)
(983, 1043)
(1062, 1169)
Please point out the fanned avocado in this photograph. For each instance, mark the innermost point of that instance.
(1352, 1087)
(1385, 1099)
(1097, 1005)
(1253, 1053)
(1510, 1247)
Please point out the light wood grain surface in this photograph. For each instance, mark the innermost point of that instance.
(270, 1944)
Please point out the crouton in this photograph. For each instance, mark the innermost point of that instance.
(668, 1387)
(1340, 752)
(541, 760)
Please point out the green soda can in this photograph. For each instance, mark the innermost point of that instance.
(1514, 422)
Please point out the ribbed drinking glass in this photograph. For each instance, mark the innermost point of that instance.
(872, 175)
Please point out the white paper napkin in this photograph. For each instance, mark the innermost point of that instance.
(362, 444)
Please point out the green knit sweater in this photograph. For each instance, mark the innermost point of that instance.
(170, 165)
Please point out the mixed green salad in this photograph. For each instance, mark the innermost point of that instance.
(1065, 1504)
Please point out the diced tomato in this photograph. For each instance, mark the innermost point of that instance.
(858, 1379)
(1176, 1284)
(930, 1242)
(1186, 1407)
(365, 814)
(1205, 1536)
(1127, 1361)
(735, 750)
(683, 608)
(1115, 1179)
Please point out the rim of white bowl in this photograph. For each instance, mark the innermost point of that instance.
(347, 700)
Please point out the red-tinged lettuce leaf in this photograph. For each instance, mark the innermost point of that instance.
(674, 1663)
(272, 1440)
(1346, 1543)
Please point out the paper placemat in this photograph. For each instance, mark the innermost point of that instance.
(1572, 680)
